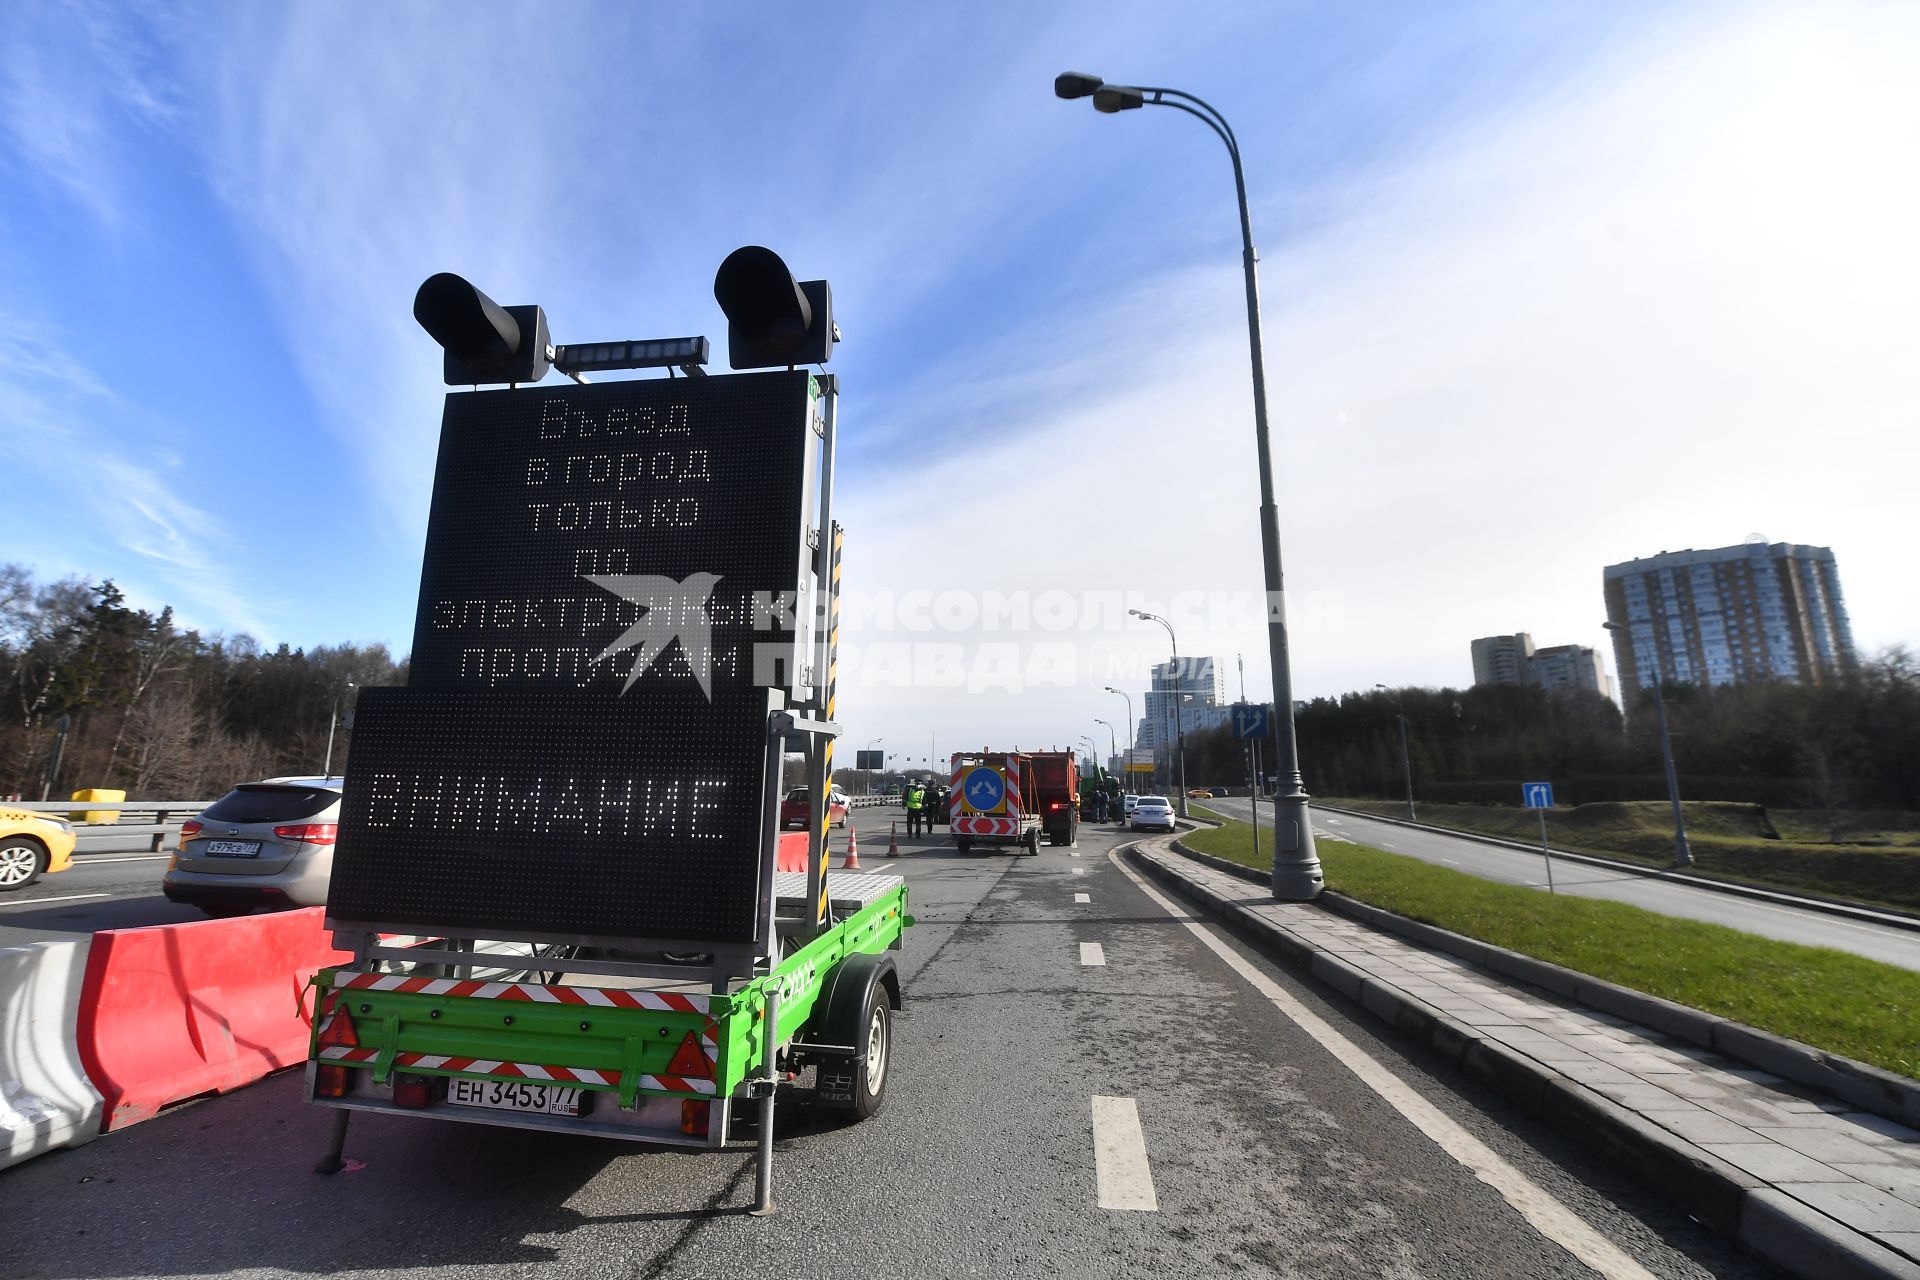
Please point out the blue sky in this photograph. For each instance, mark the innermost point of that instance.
(1546, 286)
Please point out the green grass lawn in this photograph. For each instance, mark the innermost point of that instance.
(1829, 999)
(1876, 862)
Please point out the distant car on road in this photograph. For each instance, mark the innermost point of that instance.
(1152, 813)
(797, 809)
(1199, 793)
(32, 845)
(1127, 805)
(263, 844)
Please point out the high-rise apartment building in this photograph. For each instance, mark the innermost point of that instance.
(1513, 660)
(1501, 659)
(1568, 666)
(1197, 684)
(1757, 611)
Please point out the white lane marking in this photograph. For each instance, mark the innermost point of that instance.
(71, 897)
(1079, 871)
(1549, 1217)
(1073, 853)
(1091, 953)
(90, 859)
(1120, 1170)
(1452, 862)
(1081, 897)
(1385, 845)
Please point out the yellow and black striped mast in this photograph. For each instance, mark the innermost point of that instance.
(826, 662)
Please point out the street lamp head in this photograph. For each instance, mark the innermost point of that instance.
(1611, 626)
(1112, 98)
(1075, 84)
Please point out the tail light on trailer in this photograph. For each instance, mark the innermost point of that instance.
(694, 1116)
(412, 1091)
(331, 1080)
(310, 832)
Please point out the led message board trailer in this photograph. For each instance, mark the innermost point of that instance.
(616, 582)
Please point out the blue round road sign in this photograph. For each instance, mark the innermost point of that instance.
(985, 790)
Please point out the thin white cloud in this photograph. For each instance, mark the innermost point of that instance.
(67, 433)
(72, 76)
(1667, 304)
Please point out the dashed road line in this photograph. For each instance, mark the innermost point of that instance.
(1091, 953)
(1079, 871)
(1122, 1177)
(1082, 897)
(1548, 1216)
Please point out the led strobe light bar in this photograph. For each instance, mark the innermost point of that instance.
(651, 353)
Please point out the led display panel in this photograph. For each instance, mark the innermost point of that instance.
(613, 578)
(570, 814)
(622, 537)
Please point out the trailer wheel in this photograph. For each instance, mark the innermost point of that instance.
(1033, 842)
(963, 844)
(870, 1088)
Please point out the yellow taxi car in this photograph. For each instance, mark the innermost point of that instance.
(30, 845)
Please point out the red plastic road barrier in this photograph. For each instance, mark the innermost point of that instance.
(175, 1010)
(793, 851)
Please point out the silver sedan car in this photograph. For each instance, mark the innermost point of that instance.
(263, 844)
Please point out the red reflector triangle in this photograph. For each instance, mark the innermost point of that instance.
(338, 1028)
(690, 1060)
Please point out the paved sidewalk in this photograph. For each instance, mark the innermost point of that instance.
(1812, 1183)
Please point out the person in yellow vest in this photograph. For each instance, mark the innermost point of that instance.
(916, 806)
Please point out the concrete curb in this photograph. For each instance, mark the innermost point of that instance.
(1892, 917)
(1725, 1198)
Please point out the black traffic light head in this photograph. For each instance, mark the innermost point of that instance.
(484, 341)
(772, 319)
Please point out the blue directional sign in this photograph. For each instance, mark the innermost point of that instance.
(985, 789)
(1250, 720)
(1538, 795)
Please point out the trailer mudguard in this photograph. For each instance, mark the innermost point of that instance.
(835, 1038)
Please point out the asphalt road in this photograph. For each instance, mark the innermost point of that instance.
(111, 885)
(1264, 1153)
(1887, 943)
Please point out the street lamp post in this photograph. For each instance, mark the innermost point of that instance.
(333, 722)
(1179, 730)
(1132, 726)
(1406, 761)
(1113, 739)
(1682, 851)
(1296, 867)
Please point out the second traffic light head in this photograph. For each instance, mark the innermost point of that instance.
(772, 320)
(484, 341)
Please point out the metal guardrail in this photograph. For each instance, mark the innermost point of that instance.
(165, 815)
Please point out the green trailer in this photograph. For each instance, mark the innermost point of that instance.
(619, 1048)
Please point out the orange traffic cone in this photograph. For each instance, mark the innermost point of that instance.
(893, 844)
(853, 850)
